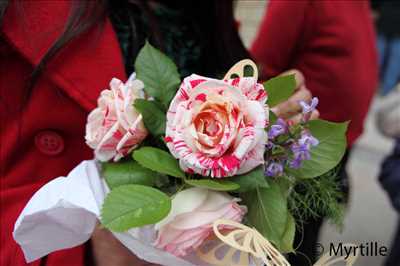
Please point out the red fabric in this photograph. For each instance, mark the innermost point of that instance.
(59, 103)
(333, 44)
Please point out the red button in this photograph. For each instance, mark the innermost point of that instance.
(49, 142)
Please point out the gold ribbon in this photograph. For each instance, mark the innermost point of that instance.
(238, 69)
(243, 246)
(251, 245)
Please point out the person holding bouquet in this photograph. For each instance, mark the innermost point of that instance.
(333, 44)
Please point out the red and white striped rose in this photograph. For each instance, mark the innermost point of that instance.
(115, 128)
(216, 127)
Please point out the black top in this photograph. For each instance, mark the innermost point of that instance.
(177, 34)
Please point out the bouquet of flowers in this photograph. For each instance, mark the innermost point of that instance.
(200, 171)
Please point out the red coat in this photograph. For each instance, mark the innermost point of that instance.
(333, 44)
(46, 139)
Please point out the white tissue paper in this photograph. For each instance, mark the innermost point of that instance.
(64, 213)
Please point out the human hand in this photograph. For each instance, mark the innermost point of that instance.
(291, 109)
(108, 251)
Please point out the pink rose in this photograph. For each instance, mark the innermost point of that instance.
(115, 128)
(191, 218)
(217, 127)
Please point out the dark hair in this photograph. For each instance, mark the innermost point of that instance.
(219, 33)
(214, 19)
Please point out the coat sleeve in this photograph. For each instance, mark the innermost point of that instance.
(280, 31)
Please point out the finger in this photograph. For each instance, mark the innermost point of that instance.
(295, 119)
(291, 107)
(108, 250)
(315, 115)
(299, 77)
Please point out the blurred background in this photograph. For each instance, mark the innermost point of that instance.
(370, 216)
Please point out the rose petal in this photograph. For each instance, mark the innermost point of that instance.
(185, 201)
(191, 225)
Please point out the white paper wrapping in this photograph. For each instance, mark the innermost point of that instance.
(64, 213)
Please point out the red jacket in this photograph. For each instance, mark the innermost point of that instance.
(46, 139)
(333, 44)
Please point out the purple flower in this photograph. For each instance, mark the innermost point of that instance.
(301, 152)
(308, 139)
(274, 169)
(308, 108)
(269, 145)
(279, 128)
(301, 149)
(296, 163)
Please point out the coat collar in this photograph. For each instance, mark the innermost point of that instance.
(83, 67)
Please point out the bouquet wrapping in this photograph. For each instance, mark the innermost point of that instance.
(64, 213)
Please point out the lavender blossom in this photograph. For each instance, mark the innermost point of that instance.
(269, 145)
(279, 128)
(308, 108)
(301, 152)
(274, 169)
(308, 139)
(296, 163)
(301, 149)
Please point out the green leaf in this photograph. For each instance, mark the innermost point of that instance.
(159, 161)
(124, 173)
(131, 206)
(272, 118)
(288, 235)
(153, 117)
(268, 212)
(158, 73)
(329, 152)
(223, 185)
(279, 89)
(251, 180)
